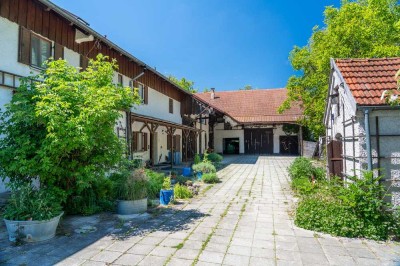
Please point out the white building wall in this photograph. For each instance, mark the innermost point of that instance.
(158, 106)
(220, 134)
(73, 58)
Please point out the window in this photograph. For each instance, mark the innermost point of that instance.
(171, 106)
(120, 80)
(40, 50)
(141, 91)
(139, 141)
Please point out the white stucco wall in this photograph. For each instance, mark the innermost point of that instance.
(220, 134)
(73, 58)
(158, 106)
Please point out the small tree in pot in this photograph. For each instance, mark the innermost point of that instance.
(131, 191)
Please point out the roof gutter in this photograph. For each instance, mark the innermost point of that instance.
(85, 27)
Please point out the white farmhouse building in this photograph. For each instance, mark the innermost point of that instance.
(250, 123)
(362, 130)
(169, 118)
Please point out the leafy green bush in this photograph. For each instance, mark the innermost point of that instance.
(155, 183)
(96, 197)
(357, 209)
(303, 185)
(210, 178)
(300, 168)
(196, 159)
(132, 186)
(182, 179)
(215, 158)
(329, 215)
(28, 203)
(182, 192)
(204, 167)
(60, 128)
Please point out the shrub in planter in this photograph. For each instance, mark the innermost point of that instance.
(33, 214)
(131, 191)
(166, 193)
(204, 167)
(182, 192)
(210, 178)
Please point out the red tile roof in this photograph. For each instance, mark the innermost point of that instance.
(368, 78)
(253, 106)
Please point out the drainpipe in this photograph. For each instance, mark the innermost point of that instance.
(368, 138)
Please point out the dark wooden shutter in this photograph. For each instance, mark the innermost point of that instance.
(84, 62)
(144, 141)
(146, 95)
(171, 106)
(58, 51)
(168, 142)
(24, 53)
(135, 141)
(177, 143)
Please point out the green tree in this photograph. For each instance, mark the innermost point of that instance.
(358, 29)
(183, 83)
(61, 129)
(246, 88)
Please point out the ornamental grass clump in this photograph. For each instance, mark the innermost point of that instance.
(131, 186)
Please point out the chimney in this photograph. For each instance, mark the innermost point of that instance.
(212, 93)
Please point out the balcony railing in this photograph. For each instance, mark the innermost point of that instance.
(9, 80)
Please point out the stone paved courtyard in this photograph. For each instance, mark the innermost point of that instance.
(244, 220)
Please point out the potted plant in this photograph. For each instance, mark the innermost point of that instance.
(33, 214)
(131, 192)
(166, 193)
(204, 167)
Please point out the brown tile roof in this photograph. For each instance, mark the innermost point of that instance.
(368, 78)
(253, 106)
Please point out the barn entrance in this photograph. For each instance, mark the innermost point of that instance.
(258, 141)
(231, 145)
(289, 145)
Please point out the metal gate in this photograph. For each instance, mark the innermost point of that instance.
(335, 159)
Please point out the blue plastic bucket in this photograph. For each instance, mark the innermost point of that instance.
(186, 171)
(166, 196)
(199, 175)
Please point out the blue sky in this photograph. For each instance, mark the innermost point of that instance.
(225, 44)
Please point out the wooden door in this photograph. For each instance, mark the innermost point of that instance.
(335, 159)
(258, 141)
